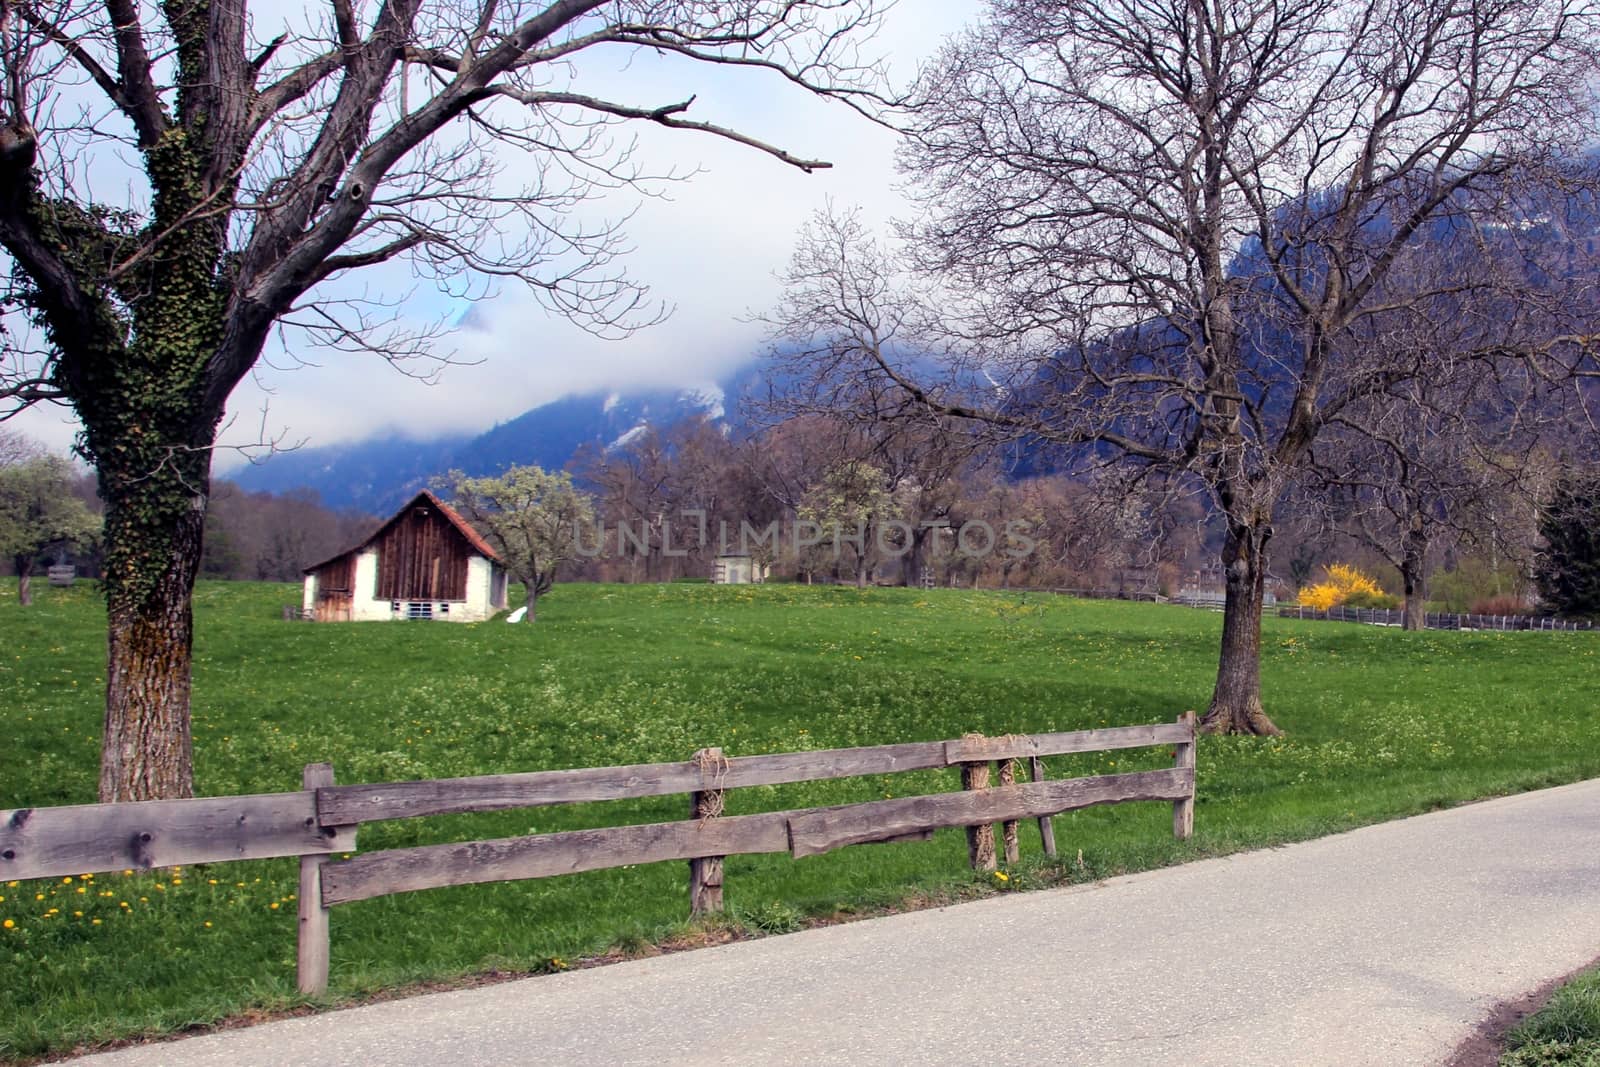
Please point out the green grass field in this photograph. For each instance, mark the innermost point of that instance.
(1379, 724)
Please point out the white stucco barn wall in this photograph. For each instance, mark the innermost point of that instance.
(364, 606)
(479, 572)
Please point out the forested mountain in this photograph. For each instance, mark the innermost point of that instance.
(379, 474)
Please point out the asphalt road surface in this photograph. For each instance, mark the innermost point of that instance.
(1384, 946)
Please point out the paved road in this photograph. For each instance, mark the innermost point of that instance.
(1385, 946)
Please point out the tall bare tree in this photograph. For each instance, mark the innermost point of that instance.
(1424, 468)
(1158, 220)
(272, 158)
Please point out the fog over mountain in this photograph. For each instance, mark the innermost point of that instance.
(378, 474)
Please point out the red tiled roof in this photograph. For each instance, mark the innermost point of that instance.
(474, 538)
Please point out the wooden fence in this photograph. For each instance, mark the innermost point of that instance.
(323, 817)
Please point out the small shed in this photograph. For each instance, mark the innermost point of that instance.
(735, 569)
(426, 562)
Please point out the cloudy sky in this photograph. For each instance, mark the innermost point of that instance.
(709, 251)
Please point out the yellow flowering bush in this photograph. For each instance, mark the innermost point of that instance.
(1342, 583)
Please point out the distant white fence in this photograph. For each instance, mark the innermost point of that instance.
(1212, 599)
(1436, 620)
(1215, 601)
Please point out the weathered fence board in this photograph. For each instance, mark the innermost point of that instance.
(405, 870)
(802, 833)
(312, 947)
(705, 872)
(1183, 807)
(1010, 846)
(323, 818)
(403, 800)
(86, 838)
(980, 838)
(1022, 746)
(812, 833)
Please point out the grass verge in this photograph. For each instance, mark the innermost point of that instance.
(1564, 1033)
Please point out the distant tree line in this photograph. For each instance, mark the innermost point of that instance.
(669, 500)
(273, 537)
(50, 512)
(664, 504)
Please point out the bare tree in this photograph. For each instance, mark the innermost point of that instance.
(1155, 222)
(16, 448)
(270, 162)
(1424, 469)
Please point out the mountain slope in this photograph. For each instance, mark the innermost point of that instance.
(379, 474)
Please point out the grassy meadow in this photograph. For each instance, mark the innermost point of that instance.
(1379, 724)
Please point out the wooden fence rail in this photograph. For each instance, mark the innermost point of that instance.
(323, 818)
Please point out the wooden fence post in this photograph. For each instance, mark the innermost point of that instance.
(980, 839)
(1008, 830)
(705, 873)
(311, 963)
(1047, 830)
(1183, 810)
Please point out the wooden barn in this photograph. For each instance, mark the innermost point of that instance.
(424, 563)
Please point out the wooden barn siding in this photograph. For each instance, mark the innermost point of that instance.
(422, 557)
(337, 576)
(335, 582)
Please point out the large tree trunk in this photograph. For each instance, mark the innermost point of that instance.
(911, 563)
(1413, 574)
(24, 565)
(1416, 606)
(154, 533)
(1236, 702)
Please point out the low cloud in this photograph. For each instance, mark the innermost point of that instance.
(708, 249)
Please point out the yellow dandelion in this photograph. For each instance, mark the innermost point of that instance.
(81, 889)
(177, 881)
(38, 896)
(96, 922)
(273, 905)
(208, 926)
(77, 915)
(9, 924)
(67, 880)
(1001, 876)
